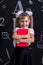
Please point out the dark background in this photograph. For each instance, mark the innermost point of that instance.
(7, 8)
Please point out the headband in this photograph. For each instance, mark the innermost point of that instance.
(30, 13)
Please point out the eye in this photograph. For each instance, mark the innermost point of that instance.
(22, 21)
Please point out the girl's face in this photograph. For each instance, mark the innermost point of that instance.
(24, 22)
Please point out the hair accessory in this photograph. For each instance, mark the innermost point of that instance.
(20, 12)
(29, 12)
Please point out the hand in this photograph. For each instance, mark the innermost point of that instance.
(27, 36)
(17, 41)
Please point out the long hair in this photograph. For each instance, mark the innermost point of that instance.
(21, 17)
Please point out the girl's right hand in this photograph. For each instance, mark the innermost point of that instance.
(17, 41)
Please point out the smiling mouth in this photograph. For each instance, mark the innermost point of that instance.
(24, 27)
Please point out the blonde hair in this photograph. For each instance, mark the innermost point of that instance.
(21, 17)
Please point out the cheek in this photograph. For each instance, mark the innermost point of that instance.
(28, 22)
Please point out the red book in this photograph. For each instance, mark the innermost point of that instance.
(22, 32)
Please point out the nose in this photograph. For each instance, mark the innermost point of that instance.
(23, 22)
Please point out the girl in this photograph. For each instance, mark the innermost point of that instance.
(22, 54)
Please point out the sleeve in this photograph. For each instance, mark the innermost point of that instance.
(32, 31)
(15, 29)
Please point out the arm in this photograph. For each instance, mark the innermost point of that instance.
(30, 39)
(17, 37)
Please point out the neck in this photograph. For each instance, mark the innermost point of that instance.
(24, 27)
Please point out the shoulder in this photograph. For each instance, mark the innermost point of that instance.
(31, 31)
(15, 29)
